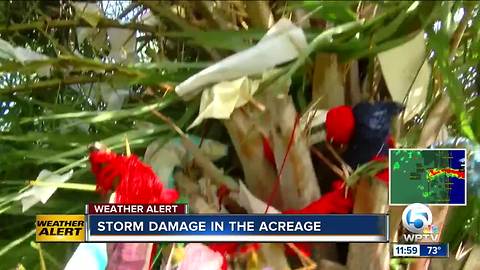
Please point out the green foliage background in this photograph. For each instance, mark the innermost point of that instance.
(48, 122)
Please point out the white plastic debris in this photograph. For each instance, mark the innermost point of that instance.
(282, 43)
(406, 66)
(122, 44)
(37, 194)
(219, 101)
(90, 12)
(113, 97)
(24, 56)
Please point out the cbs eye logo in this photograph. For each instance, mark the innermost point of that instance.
(416, 217)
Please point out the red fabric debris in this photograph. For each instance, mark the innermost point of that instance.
(133, 181)
(224, 248)
(267, 151)
(333, 202)
(338, 184)
(222, 193)
(390, 142)
(383, 176)
(232, 248)
(379, 158)
(152, 254)
(340, 124)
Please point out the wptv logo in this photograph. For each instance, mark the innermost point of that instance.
(417, 219)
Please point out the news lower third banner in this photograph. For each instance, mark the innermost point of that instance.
(157, 223)
(237, 228)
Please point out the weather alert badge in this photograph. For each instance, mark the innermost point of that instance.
(60, 228)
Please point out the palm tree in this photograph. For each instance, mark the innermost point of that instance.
(74, 73)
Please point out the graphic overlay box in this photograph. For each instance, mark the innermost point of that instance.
(60, 228)
(238, 228)
(428, 176)
(420, 250)
(135, 209)
(172, 223)
(420, 237)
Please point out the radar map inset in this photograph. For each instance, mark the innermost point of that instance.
(428, 176)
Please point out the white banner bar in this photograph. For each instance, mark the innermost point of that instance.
(237, 238)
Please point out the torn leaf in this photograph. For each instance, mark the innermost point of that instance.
(313, 118)
(282, 43)
(114, 98)
(73, 125)
(84, 33)
(273, 255)
(310, 122)
(148, 18)
(7, 51)
(24, 56)
(400, 66)
(99, 39)
(87, 90)
(163, 158)
(90, 12)
(122, 44)
(219, 101)
(37, 194)
(328, 81)
(209, 192)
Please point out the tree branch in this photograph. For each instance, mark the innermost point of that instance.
(53, 83)
(48, 24)
(181, 23)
